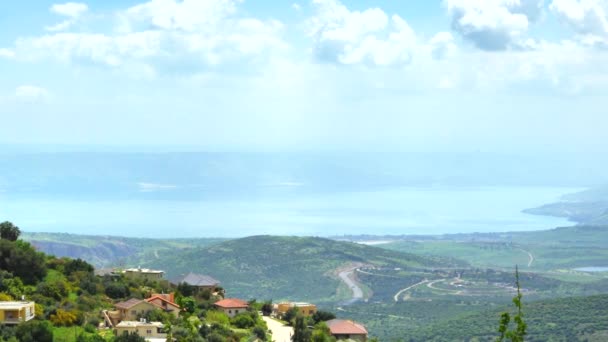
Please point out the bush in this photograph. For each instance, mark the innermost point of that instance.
(34, 331)
(243, 321)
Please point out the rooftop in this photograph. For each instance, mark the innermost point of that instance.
(345, 327)
(14, 305)
(128, 304)
(194, 279)
(230, 303)
(142, 270)
(125, 324)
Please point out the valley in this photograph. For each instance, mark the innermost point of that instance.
(410, 283)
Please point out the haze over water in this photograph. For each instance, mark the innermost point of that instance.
(392, 211)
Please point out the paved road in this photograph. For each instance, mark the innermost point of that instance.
(346, 277)
(398, 294)
(280, 332)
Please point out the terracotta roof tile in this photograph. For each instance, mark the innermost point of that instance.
(345, 327)
(128, 304)
(230, 303)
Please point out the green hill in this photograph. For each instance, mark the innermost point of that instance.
(567, 319)
(271, 267)
(103, 251)
(586, 207)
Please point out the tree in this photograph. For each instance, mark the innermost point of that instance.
(517, 334)
(323, 316)
(267, 308)
(126, 337)
(300, 331)
(8, 231)
(22, 260)
(35, 331)
(290, 315)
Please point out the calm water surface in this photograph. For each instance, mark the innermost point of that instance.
(386, 211)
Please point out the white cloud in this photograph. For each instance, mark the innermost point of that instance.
(588, 18)
(70, 9)
(442, 45)
(296, 6)
(493, 24)
(167, 35)
(29, 93)
(7, 53)
(360, 37)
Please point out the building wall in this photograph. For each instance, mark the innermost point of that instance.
(305, 310)
(173, 310)
(136, 311)
(360, 338)
(233, 312)
(143, 275)
(26, 313)
(144, 331)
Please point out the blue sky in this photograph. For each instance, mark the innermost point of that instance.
(464, 75)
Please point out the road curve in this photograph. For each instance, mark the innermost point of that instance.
(346, 276)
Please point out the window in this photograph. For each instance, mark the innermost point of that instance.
(133, 312)
(229, 311)
(236, 311)
(149, 332)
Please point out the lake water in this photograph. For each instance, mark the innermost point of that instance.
(386, 211)
(592, 269)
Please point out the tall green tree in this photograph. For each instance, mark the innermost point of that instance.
(8, 231)
(301, 333)
(519, 332)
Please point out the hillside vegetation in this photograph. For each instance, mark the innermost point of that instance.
(271, 267)
(586, 207)
(103, 251)
(566, 319)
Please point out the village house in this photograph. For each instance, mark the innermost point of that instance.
(165, 302)
(343, 329)
(200, 282)
(143, 273)
(15, 312)
(148, 330)
(133, 309)
(232, 306)
(306, 309)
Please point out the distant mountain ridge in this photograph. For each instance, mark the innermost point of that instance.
(279, 267)
(586, 207)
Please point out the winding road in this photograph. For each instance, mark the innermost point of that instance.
(347, 277)
(398, 294)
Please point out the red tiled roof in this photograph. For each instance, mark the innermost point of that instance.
(345, 327)
(151, 299)
(128, 304)
(232, 303)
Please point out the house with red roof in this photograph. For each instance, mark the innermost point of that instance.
(232, 306)
(165, 303)
(343, 329)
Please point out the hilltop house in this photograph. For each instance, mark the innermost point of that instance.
(199, 281)
(344, 330)
(148, 330)
(133, 309)
(143, 273)
(306, 309)
(15, 312)
(232, 306)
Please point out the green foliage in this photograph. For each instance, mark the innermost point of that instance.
(126, 337)
(64, 318)
(301, 333)
(304, 264)
(9, 231)
(34, 331)
(323, 316)
(290, 315)
(22, 260)
(266, 308)
(321, 333)
(517, 334)
(243, 321)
